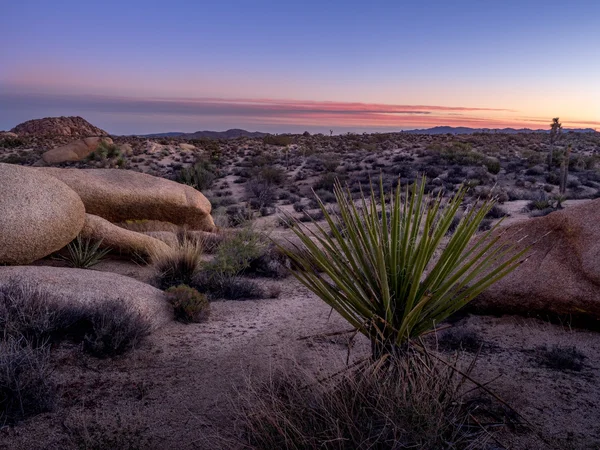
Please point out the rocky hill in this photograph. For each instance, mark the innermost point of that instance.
(58, 126)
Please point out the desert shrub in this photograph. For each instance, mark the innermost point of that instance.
(278, 140)
(26, 387)
(237, 251)
(299, 206)
(106, 329)
(11, 142)
(460, 339)
(227, 286)
(83, 253)
(496, 212)
(383, 277)
(492, 165)
(178, 265)
(238, 215)
(200, 176)
(111, 329)
(324, 195)
(560, 358)
(188, 304)
(412, 403)
(326, 182)
(540, 204)
(261, 193)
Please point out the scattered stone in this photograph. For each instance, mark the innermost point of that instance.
(74, 151)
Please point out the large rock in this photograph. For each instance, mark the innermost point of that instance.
(562, 275)
(78, 286)
(39, 214)
(119, 195)
(74, 151)
(117, 238)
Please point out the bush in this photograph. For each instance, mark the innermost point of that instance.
(411, 403)
(189, 304)
(199, 176)
(108, 329)
(229, 287)
(84, 253)
(238, 215)
(496, 212)
(278, 140)
(178, 265)
(561, 358)
(493, 165)
(26, 387)
(11, 142)
(112, 329)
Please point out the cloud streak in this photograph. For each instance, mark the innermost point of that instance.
(264, 111)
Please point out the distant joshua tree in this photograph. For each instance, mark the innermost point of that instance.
(555, 131)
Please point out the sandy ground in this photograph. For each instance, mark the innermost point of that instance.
(175, 390)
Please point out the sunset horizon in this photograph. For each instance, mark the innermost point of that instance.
(348, 67)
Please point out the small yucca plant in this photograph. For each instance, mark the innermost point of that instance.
(84, 253)
(384, 267)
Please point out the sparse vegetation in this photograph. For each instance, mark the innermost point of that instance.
(411, 403)
(83, 253)
(561, 358)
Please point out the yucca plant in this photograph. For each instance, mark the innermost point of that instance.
(385, 265)
(84, 253)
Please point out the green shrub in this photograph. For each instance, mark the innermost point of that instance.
(278, 140)
(11, 142)
(493, 165)
(84, 253)
(200, 176)
(189, 304)
(380, 273)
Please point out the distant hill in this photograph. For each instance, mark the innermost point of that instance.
(466, 130)
(58, 126)
(229, 134)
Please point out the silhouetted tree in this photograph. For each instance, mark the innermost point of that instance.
(555, 130)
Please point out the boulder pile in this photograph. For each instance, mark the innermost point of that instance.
(43, 209)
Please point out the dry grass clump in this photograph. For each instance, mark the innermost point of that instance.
(26, 388)
(412, 402)
(178, 265)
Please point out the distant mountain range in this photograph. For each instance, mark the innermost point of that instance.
(466, 130)
(236, 132)
(229, 134)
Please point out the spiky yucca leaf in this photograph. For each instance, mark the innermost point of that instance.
(384, 265)
(85, 253)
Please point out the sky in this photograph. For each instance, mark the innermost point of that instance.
(135, 67)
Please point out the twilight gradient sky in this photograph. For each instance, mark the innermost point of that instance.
(154, 66)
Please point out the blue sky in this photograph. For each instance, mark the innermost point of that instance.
(528, 61)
